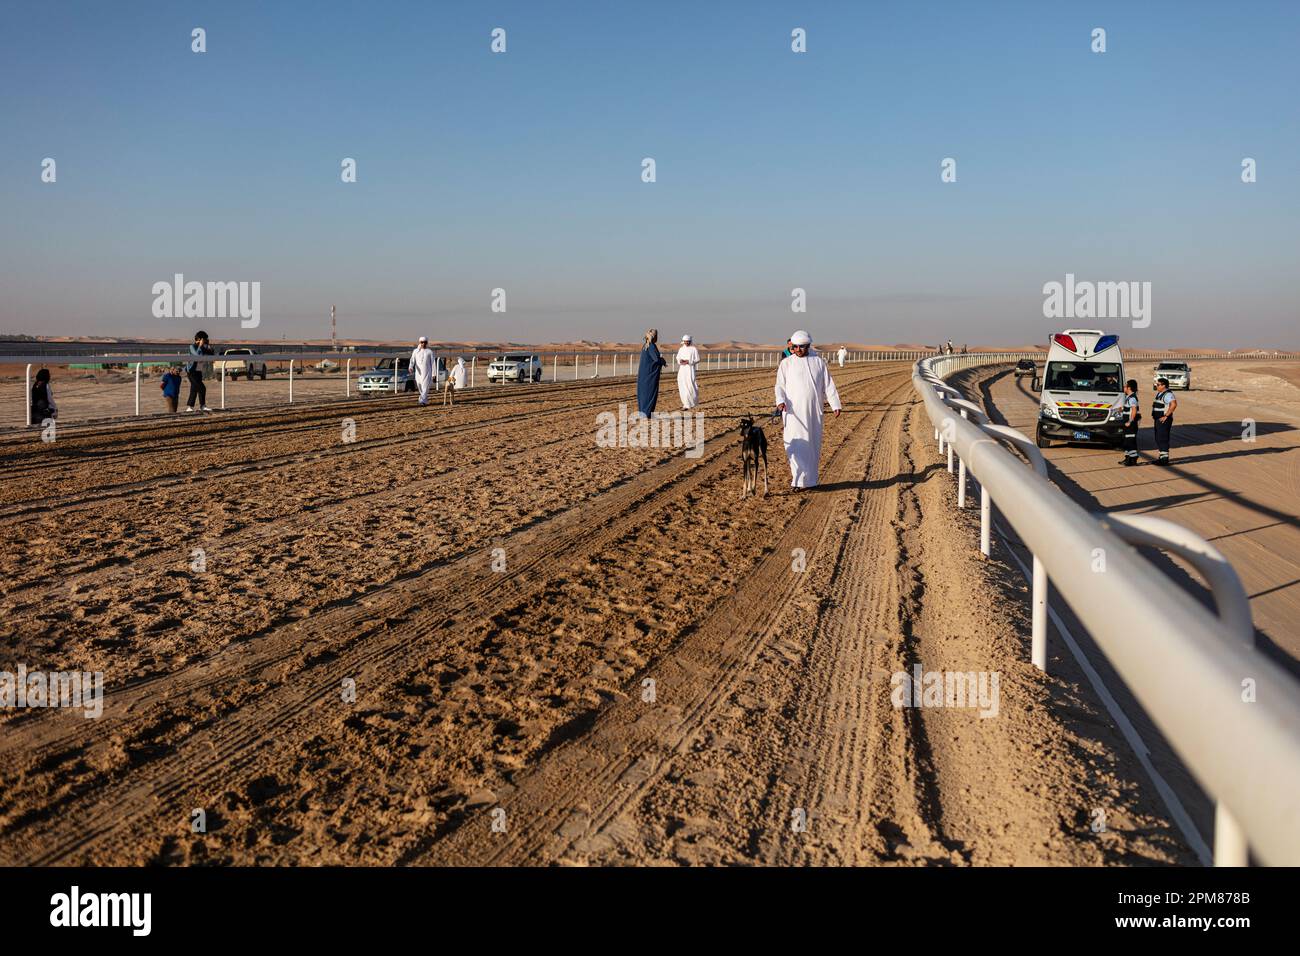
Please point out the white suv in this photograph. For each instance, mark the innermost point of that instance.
(1178, 374)
(515, 367)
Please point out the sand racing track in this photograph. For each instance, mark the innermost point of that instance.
(561, 654)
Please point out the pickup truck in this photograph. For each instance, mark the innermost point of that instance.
(240, 361)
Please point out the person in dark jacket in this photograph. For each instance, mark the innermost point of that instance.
(171, 388)
(647, 376)
(43, 406)
(194, 370)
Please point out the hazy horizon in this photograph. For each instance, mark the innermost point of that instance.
(775, 170)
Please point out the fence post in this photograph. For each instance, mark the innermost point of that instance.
(555, 367)
(961, 476)
(597, 375)
(28, 418)
(223, 384)
(473, 367)
(347, 376)
(986, 520)
(223, 372)
(1039, 641)
(137, 388)
(575, 366)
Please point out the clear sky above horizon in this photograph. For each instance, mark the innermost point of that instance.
(775, 170)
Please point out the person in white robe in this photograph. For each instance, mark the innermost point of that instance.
(422, 365)
(454, 383)
(803, 387)
(688, 356)
(843, 354)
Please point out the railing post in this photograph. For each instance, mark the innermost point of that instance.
(473, 367)
(223, 384)
(961, 476)
(137, 388)
(223, 372)
(555, 367)
(28, 417)
(347, 378)
(597, 375)
(1038, 651)
(575, 367)
(986, 520)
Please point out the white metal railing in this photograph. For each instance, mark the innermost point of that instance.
(1186, 666)
(619, 363)
(184, 358)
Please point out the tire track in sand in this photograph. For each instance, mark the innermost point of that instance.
(572, 802)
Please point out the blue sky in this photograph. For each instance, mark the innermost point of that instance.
(775, 169)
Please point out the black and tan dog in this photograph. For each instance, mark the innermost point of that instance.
(753, 449)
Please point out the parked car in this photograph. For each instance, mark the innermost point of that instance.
(1026, 367)
(515, 367)
(248, 363)
(379, 379)
(1179, 374)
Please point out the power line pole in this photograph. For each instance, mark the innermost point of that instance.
(334, 336)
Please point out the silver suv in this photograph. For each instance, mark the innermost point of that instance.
(380, 378)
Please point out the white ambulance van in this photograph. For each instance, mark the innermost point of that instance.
(1082, 389)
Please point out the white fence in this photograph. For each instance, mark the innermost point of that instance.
(1187, 667)
(555, 366)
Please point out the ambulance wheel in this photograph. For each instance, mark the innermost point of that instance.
(1041, 440)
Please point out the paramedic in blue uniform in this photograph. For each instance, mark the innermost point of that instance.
(1131, 416)
(1162, 417)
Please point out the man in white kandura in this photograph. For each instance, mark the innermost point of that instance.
(803, 386)
(422, 364)
(844, 353)
(688, 356)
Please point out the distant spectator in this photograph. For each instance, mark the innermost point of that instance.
(194, 370)
(171, 388)
(43, 405)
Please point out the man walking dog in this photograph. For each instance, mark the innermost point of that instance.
(803, 387)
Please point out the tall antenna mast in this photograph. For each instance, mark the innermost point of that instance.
(334, 335)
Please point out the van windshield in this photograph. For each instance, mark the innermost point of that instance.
(1083, 376)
